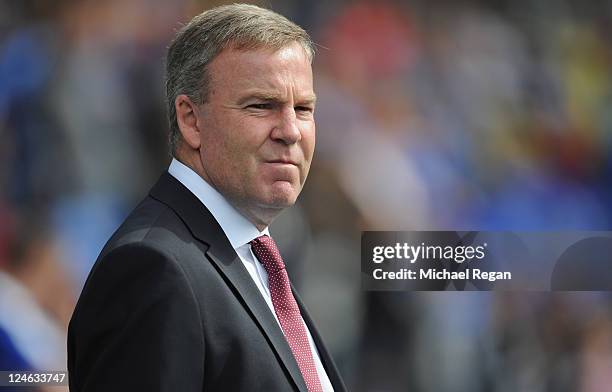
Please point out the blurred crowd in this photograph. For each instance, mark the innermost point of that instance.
(462, 115)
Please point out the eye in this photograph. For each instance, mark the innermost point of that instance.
(304, 109)
(260, 106)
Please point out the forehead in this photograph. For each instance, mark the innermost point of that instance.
(239, 69)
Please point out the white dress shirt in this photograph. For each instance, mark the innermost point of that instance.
(240, 232)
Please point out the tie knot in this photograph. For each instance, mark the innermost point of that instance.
(266, 251)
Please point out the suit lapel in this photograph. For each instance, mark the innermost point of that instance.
(220, 252)
(328, 363)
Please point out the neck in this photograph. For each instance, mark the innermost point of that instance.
(260, 216)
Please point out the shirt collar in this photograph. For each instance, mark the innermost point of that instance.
(238, 229)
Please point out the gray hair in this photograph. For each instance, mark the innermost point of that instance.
(239, 26)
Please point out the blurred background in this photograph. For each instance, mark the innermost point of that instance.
(457, 115)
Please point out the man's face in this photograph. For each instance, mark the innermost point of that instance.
(257, 127)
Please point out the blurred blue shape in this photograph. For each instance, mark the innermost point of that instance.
(10, 358)
(83, 224)
(25, 65)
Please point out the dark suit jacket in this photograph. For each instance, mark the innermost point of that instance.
(169, 306)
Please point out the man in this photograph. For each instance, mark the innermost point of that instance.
(190, 293)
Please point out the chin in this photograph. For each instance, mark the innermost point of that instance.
(282, 195)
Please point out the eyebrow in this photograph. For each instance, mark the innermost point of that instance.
(272, 97)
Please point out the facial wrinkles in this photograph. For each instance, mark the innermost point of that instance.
(248, 140)
(281, 77)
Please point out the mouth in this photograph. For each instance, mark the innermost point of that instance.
(283, 162)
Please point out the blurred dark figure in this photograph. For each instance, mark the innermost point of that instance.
(584, 266)
(36, 296)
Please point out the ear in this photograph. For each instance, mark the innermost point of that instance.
(187, 119)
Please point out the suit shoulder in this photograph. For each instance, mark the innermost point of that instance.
(145, 241)
(151, 225)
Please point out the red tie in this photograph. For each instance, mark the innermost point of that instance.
(287, 309)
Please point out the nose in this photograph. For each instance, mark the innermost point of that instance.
(286, 130)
